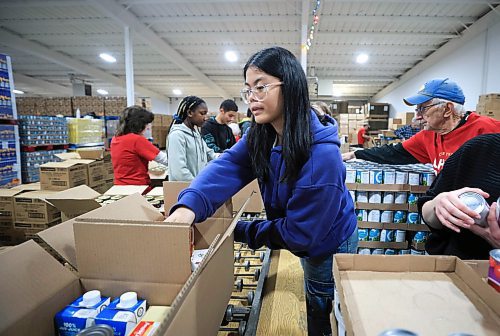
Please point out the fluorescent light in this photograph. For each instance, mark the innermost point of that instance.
(177, 92)
(231, 56)
(362, 58)
(337, 93)
(107, 57)
(18, 91)
(102, 92)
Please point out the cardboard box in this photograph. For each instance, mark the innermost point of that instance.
(126, 190)
(63, 175)
(158, 268)
(29, 186)
(75, 201)
(93, 159)
(32, 208)
(7, 213)
(428, 295)
(250, 191)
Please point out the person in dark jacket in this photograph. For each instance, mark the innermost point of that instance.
(473, 167)
(216, 132)
(297, 162)
(245, 122)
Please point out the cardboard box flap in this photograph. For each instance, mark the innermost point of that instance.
(32, 278)
(63, 164)
(82, 161)
(133, 252)
(61, 239)
(252, 191)
(29, 186)
(68, 156)
(128, 209)
(75, 201)
(126, 190)
(9, 192)
(38, 194)
(158, 191)
(171, 191)
(91, 153)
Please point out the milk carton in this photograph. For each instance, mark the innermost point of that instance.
(80, 314)
(123, 313)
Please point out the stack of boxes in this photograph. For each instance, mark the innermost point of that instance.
(113, 106)
(87, 104)
(489, 105)
(385, 198)
(84, 132)
(160, 129)
(377, 115)
(58, 106)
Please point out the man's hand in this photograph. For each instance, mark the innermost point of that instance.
(492, 232)
(348, 156)
(181, 215)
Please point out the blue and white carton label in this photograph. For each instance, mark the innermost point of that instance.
(123, 314)
(80, 314)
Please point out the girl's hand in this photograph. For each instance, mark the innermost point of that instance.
(181, 215)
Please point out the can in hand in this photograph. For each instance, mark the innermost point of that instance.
(477, 203)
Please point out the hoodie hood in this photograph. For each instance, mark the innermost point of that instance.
(181, 128)
(324, 132)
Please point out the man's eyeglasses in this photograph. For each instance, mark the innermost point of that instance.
(422, 109)
(259, 92)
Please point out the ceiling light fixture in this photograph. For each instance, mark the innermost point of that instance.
(102, 92)
(362, 58)
(107, 57)
(177, 92)
(336, 92)
(231, 56)
(18, 91)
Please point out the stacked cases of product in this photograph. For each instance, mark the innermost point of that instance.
(41, 139)
(385, 197)
(10, 174)
(85, 132)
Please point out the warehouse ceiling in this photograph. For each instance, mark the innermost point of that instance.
(181, 44)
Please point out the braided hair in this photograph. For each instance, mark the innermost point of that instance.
(189, 103)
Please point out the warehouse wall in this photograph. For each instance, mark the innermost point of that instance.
(475, 67)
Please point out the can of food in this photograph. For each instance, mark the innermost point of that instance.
(362, 215)
(400, 197)
(400, 236)
(363, 234)
(405, 251)
(414, 178)
(374, 216)
(364, 251)
(498, 210)
(374, 235)
(374, 197)
(378, 251)
(397, 332)
(350, 176)
(401, 177)
(477, 203)
(494, 269)
(362, 196)
(387, 235)
(388, 197)
(376, 176)
(399, 216)
(389, 176)
(417, 252)
(412, 198)
(427, 178)
(362, 176)
(97, 330)
(390, 252)
(420, 237)
(412, 218)
(387, 216)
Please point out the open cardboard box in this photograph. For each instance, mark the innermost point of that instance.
(75, 201)
(429, 295)
(124, 246)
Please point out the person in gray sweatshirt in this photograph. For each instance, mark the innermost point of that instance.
(187, 153)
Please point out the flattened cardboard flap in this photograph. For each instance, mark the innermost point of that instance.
(171, 191)
(252, 191)
(61, 238)
(126, 190)
(91, 153)
(128, 209)
(75, 201)
(68, 156)
(9, 192)
(63, 164)
(38, 194)
(29, 186)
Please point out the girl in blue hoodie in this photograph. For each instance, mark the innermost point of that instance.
(297, 161)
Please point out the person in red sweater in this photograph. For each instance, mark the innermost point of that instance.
(362, 136)
(131, 151)
(445, 128)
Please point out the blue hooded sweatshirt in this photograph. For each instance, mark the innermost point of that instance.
(311, 217)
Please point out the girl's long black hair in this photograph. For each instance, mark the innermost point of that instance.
(297, 137)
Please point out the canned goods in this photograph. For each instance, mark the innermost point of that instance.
(387, 216)
(420, 237)
(417, 252)
(350, 176)
(390, 252)
(412, 218)
(376, 176)
(412, 198)
(427, 178)
(362, 215)
(414, 178)
(401, 177)
(388, 197)
(364, 251)
(494, 269)
(374, 235)
(363, 176)
(399, 216)
(477, 203)
(389, 176)
(397, 332)
(362, 196)
(374, 197)
(498, 210)
(400, 197)
(402, 252)
(362, 234)
(374, 216)
(97, 330)
(386, 235)
(400, 236)
(378, 251)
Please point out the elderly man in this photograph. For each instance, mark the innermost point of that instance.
(446, 126)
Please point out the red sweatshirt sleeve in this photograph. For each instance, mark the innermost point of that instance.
(146, 149)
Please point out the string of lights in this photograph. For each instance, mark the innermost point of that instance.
(312, 29)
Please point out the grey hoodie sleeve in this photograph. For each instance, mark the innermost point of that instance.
(161, 158)
(177, 163)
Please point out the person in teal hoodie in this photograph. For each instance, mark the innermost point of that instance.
(297, 161)
(187, 153)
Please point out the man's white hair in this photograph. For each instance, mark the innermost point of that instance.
(459, 108)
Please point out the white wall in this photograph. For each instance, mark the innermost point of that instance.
(160, 106)
(474, 66)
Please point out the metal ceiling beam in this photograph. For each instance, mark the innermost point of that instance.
(474, 30)
(327, 18)
(412, 35)
(39, 50)
(124, 17)
(42, 84)
(220, 19)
